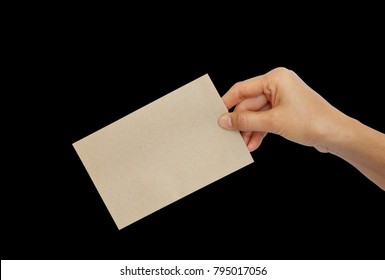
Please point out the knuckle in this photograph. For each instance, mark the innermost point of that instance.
(241, 121)
(283, 73)
(237, 89)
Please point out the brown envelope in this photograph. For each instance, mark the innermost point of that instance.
(162, 152)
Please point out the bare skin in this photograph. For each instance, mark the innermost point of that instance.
(280, 102)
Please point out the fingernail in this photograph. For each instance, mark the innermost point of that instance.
(225, 121)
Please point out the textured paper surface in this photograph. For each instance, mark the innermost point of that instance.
(162, 152)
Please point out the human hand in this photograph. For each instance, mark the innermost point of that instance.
(279, 102)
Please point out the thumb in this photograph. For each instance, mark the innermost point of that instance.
(247, 121)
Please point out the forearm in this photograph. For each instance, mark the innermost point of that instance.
(361, 146)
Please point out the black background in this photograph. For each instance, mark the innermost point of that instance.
(75, 75)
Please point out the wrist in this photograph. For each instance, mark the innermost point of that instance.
(335, 134)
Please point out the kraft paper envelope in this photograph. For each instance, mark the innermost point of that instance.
(162, 152)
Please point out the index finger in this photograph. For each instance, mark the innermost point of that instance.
(242, 90)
